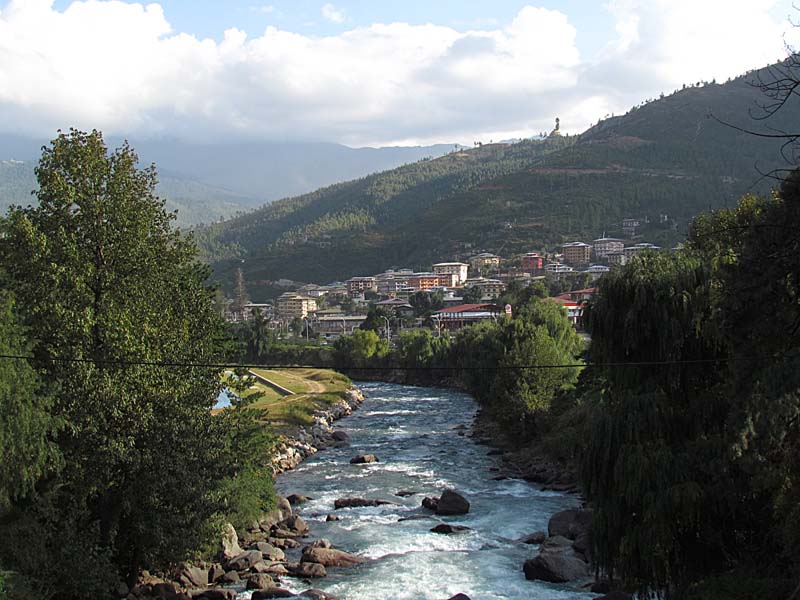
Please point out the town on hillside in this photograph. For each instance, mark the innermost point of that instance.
(449, 296)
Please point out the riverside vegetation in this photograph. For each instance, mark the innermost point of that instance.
(681, 418)
(111, 463)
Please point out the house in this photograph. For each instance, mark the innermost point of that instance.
(533, 263)
(616, 259)
(577, 253)
(456, 268)
(558, 271)
(359, 285)
(484, 259)
(398, 305)
(605, 245)
(292, 305)
(574, 309)
(456, 317)
(490, 288)
(629, 226)
(583, 295)
(334, 325)
(632, 251)
(597, 271)
(421, 282)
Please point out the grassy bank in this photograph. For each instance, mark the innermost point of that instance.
(311, 390)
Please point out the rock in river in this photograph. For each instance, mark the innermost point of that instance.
(452, 503)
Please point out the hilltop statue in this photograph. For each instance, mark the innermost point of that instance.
(557, 130)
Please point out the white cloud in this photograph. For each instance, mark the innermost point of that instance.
(121, 68)
(263, 8)
(332, 14)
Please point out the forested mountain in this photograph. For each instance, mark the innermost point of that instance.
(668, 159)
(206, 181)
(195, 202)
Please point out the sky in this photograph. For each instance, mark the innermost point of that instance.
(365, 72)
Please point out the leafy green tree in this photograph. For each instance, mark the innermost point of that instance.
(26, 423)
(107, 289)
(261, 337)
(472, 295)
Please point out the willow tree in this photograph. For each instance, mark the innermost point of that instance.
(654, 460)
(109, 291)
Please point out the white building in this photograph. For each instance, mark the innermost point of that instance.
(458, 269)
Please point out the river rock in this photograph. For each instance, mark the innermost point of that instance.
(557, 562)
(294, 525)
(364, 459)
(295, 499)
(231, 577)
(570, 523)
(357, 502)
(533, 538)
(459, 597)
(284, 543)
(216, 594)
(307, 569)
(452, 503)
(282, 511)
(330, 557)
(215, 573)
(165, 589)
(321, 543)
(430, 503)
(268, 551)
(340, 436)
(192, 577)
(271, 568)
(318, 595)
(244, 561)
(333, 517)
(259, 581)
(271, 592)
(229, 543)
(446, 528)
(403, 493)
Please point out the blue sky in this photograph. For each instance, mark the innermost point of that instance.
(366, 72)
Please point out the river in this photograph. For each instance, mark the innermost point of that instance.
(414, 433)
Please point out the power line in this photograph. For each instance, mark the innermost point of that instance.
(223, 365)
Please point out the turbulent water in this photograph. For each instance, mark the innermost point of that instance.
(413, 431)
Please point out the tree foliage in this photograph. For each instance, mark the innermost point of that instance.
(107, 289)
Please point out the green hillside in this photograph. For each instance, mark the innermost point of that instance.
(667, 157)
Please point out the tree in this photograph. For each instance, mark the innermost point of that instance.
(472, 295)
(109, 291)
(26, 425)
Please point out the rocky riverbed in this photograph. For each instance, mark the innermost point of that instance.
(407, 502)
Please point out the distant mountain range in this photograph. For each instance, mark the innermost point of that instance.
(667, 160)
(205, 182)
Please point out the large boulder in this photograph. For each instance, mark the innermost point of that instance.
(271, 592)
(364, 459)
(318, 595)
(307, 569)
(272, 568)
(268, 551)
(330, 557)
(557, 562)
(446, 528)
(452, 503)
(295, 499)
(536, 537)
(259, 581)
(244, 561)
(294, 524)
(570, 523)
(430, 503)
(216, 594)
(282, 511)
(459, 597)
(229, 543)
(357, 502)
(193, 577)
